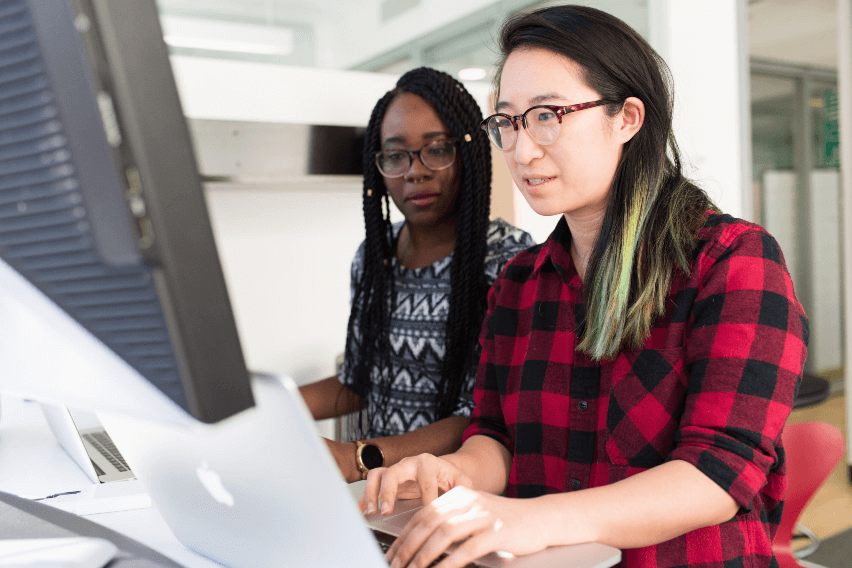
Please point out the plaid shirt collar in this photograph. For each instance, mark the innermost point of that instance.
(556, 250)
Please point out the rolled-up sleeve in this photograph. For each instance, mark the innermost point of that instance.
(745, 351)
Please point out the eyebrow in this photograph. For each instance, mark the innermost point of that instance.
(401, 140)
(537, 100)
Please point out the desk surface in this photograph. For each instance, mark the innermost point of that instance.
(32, 464)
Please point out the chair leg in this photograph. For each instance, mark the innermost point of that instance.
(810, 548)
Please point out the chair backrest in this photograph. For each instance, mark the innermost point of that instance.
(812, 450)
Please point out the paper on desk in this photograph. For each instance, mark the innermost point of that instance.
(104, 498)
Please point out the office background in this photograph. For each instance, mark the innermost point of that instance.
(762, 90)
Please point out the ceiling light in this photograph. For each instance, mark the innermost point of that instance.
(472, 74)
(218, 35)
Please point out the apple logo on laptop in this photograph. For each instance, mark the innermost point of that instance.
(213, 484)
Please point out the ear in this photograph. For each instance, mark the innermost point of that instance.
(629, 121)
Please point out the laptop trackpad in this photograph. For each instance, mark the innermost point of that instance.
(393, 524)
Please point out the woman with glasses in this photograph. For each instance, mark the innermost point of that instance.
(419, 287)
(638, 367)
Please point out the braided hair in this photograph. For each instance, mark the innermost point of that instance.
(374, 300)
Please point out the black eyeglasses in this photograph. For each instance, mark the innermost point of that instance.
(437, 155)
(542, 123)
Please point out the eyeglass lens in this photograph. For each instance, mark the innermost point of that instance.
(542, 126)
(437, 155)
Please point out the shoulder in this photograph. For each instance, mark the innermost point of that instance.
(504, 241)
(502, 235)
(723, 237)
(358, 259)
(357, 269)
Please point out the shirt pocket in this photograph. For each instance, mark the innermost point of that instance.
(646, 402)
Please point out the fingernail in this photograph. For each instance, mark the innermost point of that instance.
(371, 509)
(385, 507)
(396, 563)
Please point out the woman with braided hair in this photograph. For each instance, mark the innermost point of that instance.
(419, 287)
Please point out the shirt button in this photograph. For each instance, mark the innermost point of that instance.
(583, 405)
(575, 484)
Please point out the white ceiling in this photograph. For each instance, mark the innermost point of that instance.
(795, 31)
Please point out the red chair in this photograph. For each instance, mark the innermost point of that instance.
(813, 449)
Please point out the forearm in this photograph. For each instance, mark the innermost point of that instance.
(439, 438)
(329, 398)
(645, 509)
(485, 461)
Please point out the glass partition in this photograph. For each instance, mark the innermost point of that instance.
(797, 181)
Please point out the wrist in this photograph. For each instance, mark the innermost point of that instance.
(353, 473)
(368, 455)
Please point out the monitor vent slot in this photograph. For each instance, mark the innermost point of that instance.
(45, 229)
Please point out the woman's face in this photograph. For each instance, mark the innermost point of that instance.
(572, 175)
(425, 197)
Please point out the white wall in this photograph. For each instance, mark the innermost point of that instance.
(286, 252)
(704, 44)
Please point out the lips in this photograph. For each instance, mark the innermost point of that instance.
(423, 199)
(537, 181)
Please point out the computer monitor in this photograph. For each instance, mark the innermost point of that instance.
(112, 297)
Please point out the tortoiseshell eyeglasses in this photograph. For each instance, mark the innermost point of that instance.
(542, 123)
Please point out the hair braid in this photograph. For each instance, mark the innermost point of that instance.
(373, 302)
(369, 311)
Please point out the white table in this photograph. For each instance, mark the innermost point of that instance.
(32, 464)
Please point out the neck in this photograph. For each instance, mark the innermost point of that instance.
(585, 227)
(433, 235)
(420, 246)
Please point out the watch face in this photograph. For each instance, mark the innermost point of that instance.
(371, 456)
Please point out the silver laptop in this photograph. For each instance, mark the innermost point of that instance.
(89, 445)
(261, 489)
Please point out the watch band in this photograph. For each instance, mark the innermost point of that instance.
(368, 456)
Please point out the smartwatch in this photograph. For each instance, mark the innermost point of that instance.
(368, 456)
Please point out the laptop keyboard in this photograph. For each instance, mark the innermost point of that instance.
(385, 540)
(103, 444)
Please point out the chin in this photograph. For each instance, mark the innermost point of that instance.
(543, 208)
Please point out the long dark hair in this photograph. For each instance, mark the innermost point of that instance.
(653, 212)
(375, 298)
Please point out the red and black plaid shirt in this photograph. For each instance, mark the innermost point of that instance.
(712, 386)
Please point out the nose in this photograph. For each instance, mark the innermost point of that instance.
(526, 149)
(417, 170)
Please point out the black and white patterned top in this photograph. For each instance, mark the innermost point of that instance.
(417, 330)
